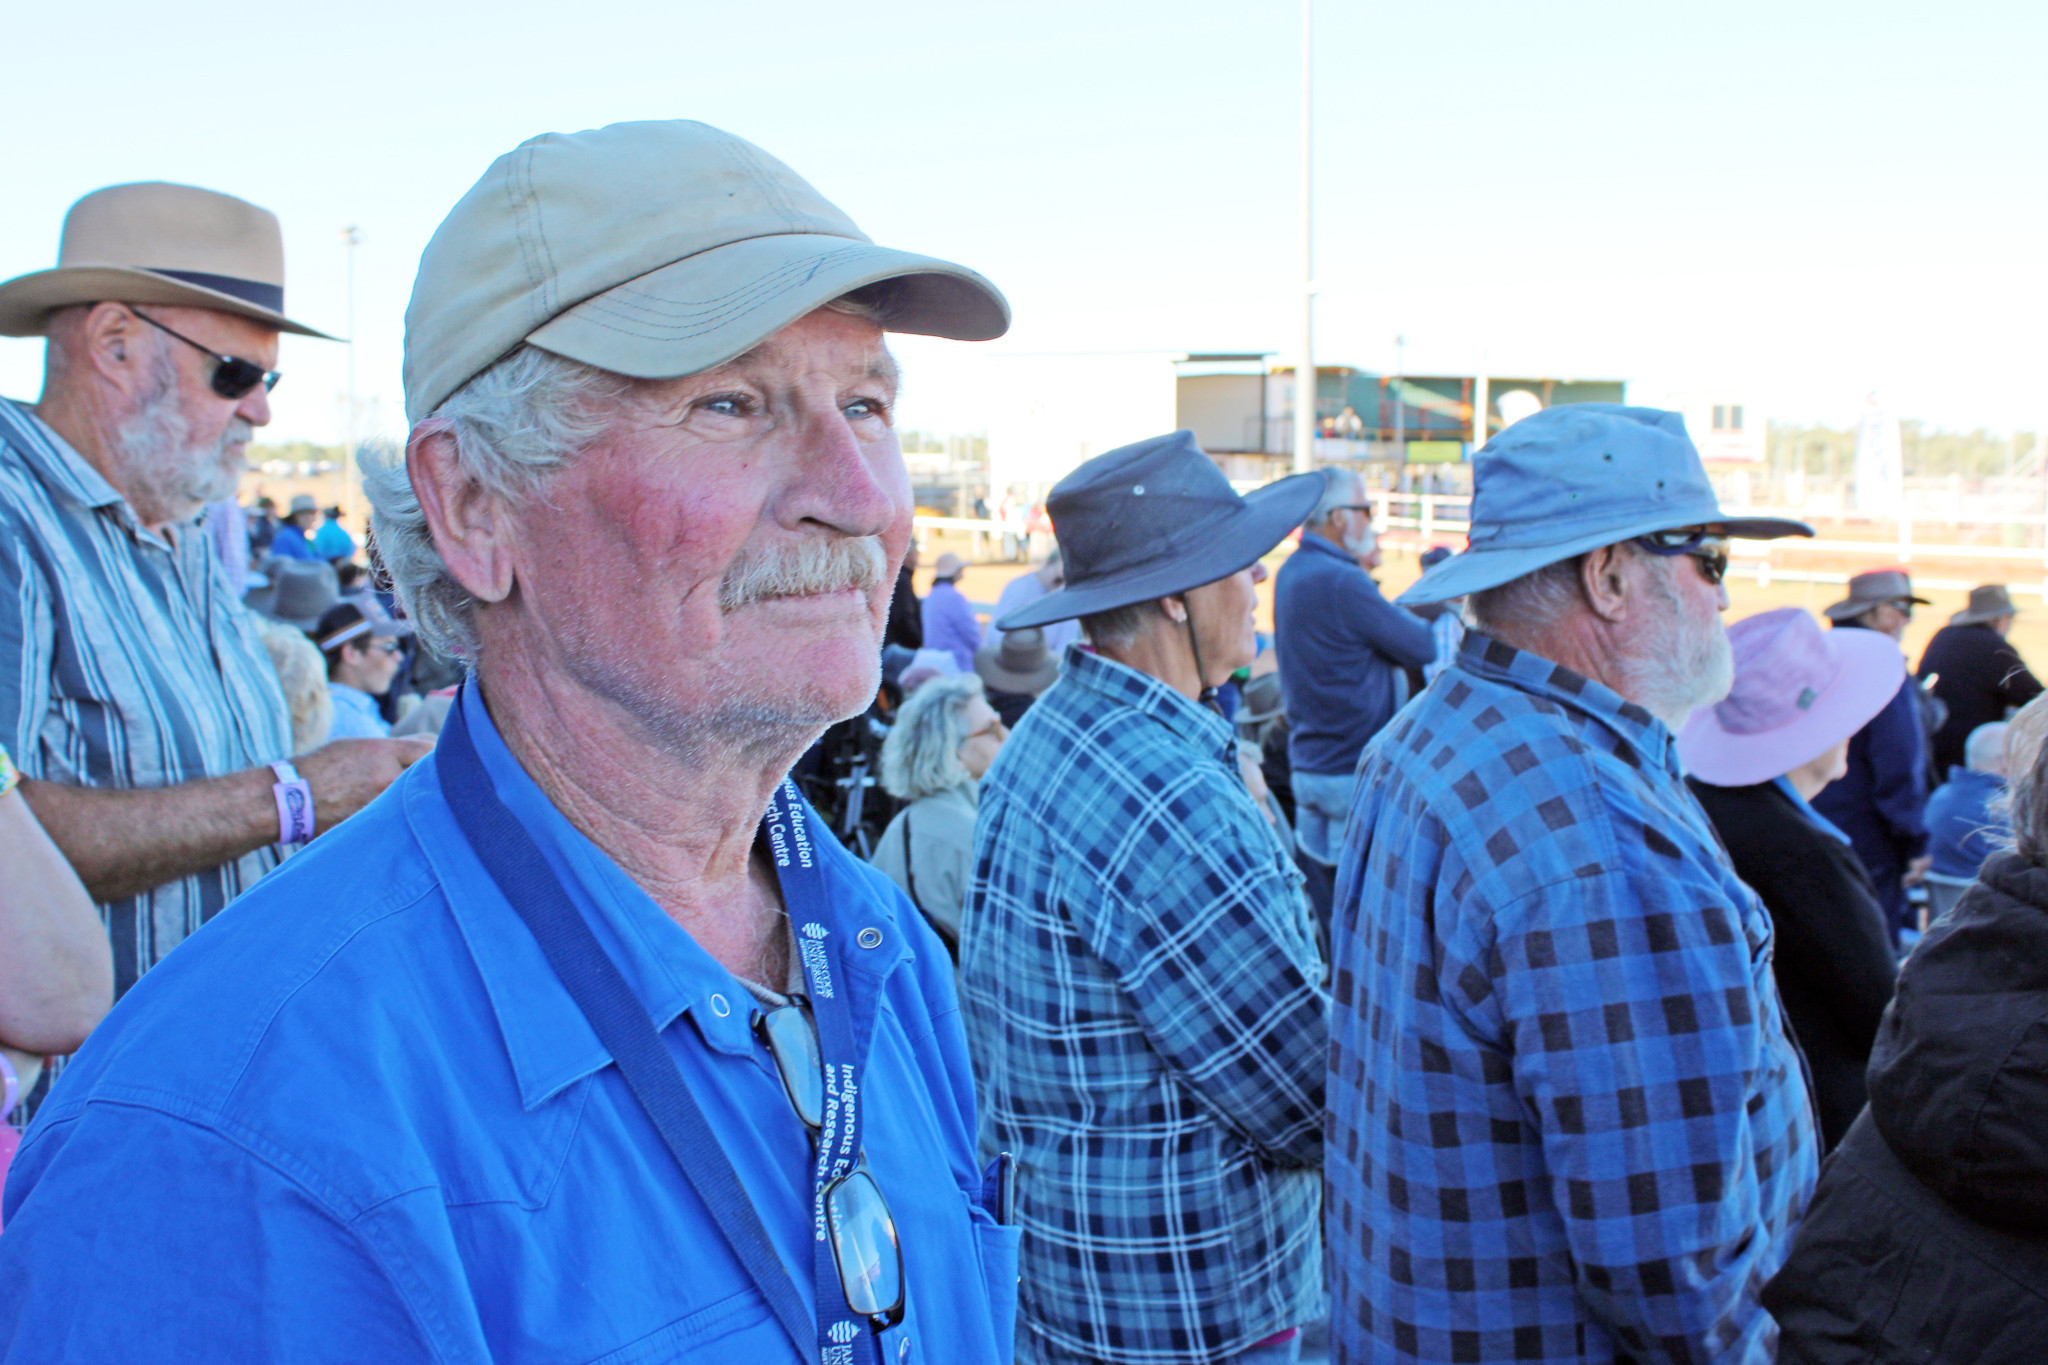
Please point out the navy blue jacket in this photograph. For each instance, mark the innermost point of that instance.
(1881, 802)
(1341, 645)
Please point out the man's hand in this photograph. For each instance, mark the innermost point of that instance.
(1917, 870)
(350, 773)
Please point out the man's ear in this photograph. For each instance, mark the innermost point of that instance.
(109, 341)
(470, 524)
(1603, 576)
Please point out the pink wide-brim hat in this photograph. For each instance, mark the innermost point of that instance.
(1799, 691)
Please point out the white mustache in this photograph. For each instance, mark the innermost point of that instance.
(813, 567)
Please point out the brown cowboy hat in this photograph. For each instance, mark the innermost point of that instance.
(157, 243)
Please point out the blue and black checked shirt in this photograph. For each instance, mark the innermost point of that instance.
(1146, 1014)
(1566, 1121)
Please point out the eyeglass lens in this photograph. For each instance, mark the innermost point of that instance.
(793, 1042)
(234, 377)
(864, 1245)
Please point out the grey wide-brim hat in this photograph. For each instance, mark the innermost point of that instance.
(1988, 603)
(1157, 518)
(1576, 477)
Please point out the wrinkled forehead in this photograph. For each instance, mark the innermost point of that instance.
(822, 342)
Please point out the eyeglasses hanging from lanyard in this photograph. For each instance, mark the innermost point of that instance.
(862, 1232)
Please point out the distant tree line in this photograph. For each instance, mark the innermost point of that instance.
(1827, 454)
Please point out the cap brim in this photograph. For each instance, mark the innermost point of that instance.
(1483, 567)
(709, 308)
(1872, 669)
(1271, 512)
(27, 301)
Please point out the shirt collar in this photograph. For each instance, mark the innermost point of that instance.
(550, 1043)
(1190, 720)
(1487, 657)
(1316, 544)
(1805, 808)
(353, 697)
(61, 467)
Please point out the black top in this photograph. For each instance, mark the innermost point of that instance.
(1980, 676)
(1833, 959)
(906, 619)
(1927, 1239)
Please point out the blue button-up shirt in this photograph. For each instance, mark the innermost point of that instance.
(1566, 1122)
(358, 1118)
(355, 714)
(1145, 1006)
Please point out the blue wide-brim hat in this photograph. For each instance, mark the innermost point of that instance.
(1156, 518)
(1576, 477)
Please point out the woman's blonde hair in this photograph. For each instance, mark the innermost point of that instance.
(304, 678)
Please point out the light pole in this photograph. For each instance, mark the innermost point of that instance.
(1305, 369)
(1400, 409)
(351, 238)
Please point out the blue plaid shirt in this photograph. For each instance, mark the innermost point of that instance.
(1145, 1010)
(1566, 1121)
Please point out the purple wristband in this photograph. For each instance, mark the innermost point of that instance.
(294, 805)
(13, 1083)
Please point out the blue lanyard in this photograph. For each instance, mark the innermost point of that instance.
(595, 983)
(842, 1337)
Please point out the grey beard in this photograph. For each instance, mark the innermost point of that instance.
(166, 475)
(1676, 668)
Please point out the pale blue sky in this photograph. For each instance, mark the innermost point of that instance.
(1799, 202)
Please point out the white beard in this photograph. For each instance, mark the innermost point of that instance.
(165, 474)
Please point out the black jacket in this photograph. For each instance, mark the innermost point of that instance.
(906, 619)
(1833, 958)
(1927, 1239)
(1980, 675)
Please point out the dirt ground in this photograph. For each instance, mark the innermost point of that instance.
(984, 582)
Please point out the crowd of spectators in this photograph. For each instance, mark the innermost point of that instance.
(408, 943)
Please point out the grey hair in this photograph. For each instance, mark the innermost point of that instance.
(1984, 750)
(1120, 627)
(1343, 488)
(516, 422)
(2025, 799)
(921, 756)
(1537, 598)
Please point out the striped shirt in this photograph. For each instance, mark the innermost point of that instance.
(125, 662)
(1145, 1008)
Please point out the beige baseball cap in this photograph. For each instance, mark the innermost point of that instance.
(653, 250)
(159, 243)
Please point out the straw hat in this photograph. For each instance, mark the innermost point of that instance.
(1873, 589)
(157, 243)
(1799, 691)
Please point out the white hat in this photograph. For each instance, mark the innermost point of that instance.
(653, 250)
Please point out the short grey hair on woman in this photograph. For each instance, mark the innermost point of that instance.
(921, 756)
(516, 422)
(2026, 766)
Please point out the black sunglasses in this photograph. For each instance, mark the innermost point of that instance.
(1708, 549)
(233, 377)
(863, 1235)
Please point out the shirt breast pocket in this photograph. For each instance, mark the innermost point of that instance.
(737, 1328)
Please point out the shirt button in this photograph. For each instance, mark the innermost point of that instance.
(869, 938)
(719, 1006)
